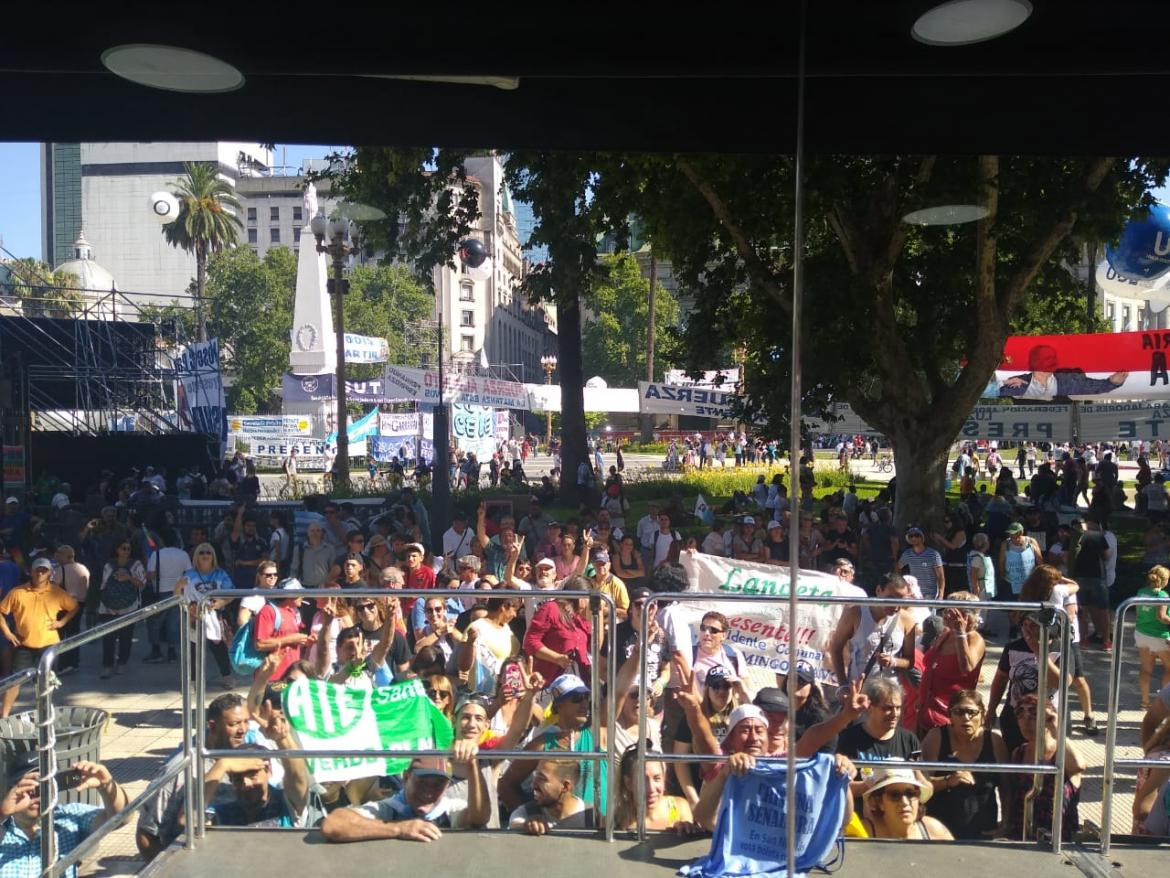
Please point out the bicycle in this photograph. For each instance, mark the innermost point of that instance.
(885, 464)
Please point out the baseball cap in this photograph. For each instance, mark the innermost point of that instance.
(565, 685)
(375, 541)
(640, 593)
(42, 562)
(772, 699)
(717, 672)
(12, 500)
(914, 532)
(601, 557)
(415, 547)
(432, 766)
(292, 584)
(775, 525)
(747, 519)
(547, 562)
(1014, 528)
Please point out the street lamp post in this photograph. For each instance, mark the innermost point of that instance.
(341, 245)
(549, 364)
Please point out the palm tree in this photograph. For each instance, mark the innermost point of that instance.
(206, 223)
(43, 291)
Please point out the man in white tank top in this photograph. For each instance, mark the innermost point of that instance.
(885, 634)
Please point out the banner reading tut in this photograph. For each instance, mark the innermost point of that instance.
(761, 630)
(326, 716)
(403, 383)
(1121, 365)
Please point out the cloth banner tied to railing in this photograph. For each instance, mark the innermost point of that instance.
(761, 630)
(328, 716)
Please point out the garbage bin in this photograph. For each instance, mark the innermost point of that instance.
(79, 737)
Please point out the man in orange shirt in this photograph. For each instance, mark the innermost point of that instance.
(39, 610)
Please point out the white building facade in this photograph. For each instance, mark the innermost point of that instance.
(105, 189)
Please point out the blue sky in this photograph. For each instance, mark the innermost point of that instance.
(20, 191)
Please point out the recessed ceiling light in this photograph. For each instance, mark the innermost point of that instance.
(960, 22)
(172, 68)
(946, 215)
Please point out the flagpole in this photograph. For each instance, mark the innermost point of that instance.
(795, 449)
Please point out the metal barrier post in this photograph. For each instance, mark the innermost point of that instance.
(46, 718)
(184, 647)
(1061, 734)
(610, 745)
(595, 696)
(1111, 760)
(643, 721)
(201, 607)
(1040, 733)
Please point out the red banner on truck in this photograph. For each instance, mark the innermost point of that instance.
(1109, 365)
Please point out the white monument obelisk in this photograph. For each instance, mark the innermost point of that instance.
(314, 348)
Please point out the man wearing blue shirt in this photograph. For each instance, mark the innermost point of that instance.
(20, 811)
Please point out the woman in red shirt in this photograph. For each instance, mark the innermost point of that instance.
(558, 635)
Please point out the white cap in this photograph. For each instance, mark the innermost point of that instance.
(547, 562)
(747, 519)
(11, 500)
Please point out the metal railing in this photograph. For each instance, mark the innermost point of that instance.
(46, 715)
(597, 755)
(1112, 763)
(1040, 770)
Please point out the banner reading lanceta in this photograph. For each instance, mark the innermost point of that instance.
(1121, 365)
(761, 630)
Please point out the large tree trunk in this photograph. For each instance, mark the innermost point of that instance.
(921, 463)
(573, 445)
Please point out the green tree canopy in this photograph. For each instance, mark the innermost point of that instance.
(383, 301)
(617, 321)
(249, 307)
(905, 322)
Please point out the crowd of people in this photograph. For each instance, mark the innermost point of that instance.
(508, 660)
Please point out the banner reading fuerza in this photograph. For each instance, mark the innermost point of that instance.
(671, 399)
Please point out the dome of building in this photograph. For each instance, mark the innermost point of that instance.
(95, 280)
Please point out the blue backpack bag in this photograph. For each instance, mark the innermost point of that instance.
(244, 655)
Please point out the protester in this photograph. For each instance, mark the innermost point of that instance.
(38, 610)
(663, 812)
(1021, 784)
(20, 813)
(894, 807)
(123, 579)
(73, 578)
(1152, 633)
(421, 809)
(965, 800)
(951, 664)
(206, 576)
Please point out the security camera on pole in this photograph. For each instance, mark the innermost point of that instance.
(341, 235)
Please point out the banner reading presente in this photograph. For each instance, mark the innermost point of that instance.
(326, 716)
(761, 630)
